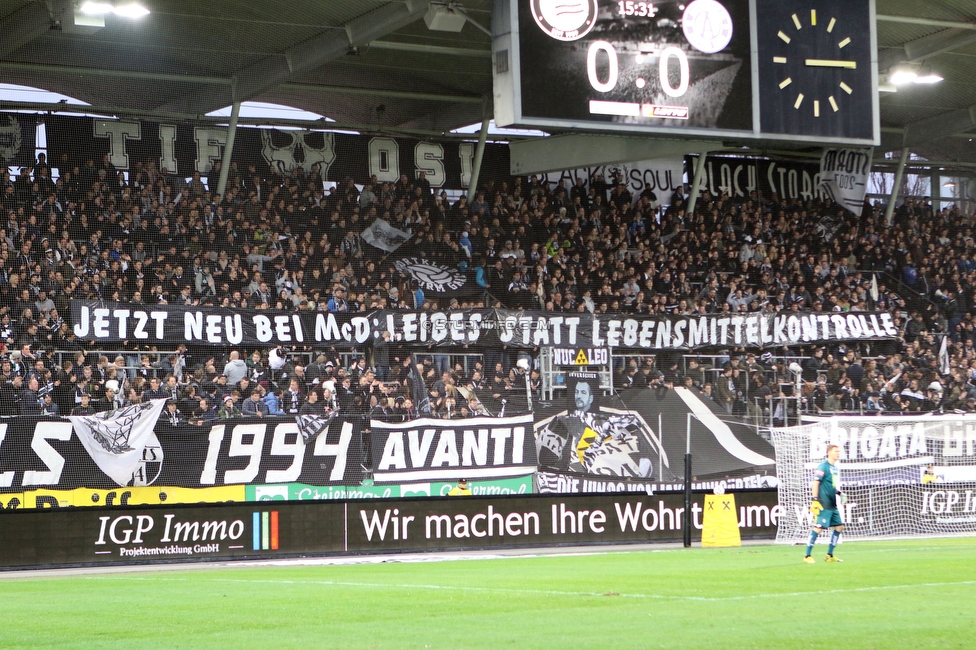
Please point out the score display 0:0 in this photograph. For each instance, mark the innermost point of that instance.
(613, 68)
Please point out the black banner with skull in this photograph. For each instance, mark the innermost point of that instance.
(17, 137)
(185, 148)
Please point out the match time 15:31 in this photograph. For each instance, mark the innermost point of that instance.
(630, 8)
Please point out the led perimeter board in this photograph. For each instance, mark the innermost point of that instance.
(800, 70)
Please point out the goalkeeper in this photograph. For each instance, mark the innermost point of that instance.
(826, 490)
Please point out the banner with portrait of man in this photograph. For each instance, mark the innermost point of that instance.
(591, 437)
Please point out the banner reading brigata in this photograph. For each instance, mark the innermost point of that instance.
(172, 324)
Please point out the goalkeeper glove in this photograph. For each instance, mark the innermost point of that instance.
(815, 507)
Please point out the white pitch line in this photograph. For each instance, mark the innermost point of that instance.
(547, 592)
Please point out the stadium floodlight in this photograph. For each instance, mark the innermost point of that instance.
(130, 10)
(96, 8)
(912, 75)
(902, 77)
(127, 10)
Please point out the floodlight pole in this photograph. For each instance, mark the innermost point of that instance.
(686, 522)
(235, 112)
(899, 174)
(479, 154)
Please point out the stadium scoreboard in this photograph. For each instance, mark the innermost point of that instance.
(739, 69)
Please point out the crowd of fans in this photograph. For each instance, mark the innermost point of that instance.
(285, 242)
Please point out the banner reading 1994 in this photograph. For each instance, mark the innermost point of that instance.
(170, 324)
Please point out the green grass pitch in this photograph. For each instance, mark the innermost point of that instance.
(885, 595)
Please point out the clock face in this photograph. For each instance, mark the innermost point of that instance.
(815, 68)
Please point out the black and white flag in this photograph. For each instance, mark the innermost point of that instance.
(844, 176)
(384, 236)
(438, 280)
(116, 439)
(944, 362)
(311, 426)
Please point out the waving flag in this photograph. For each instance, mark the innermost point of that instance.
(116, 439)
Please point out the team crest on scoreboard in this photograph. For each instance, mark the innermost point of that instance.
(565, 20)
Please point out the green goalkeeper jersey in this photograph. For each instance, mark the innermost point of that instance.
(829, 477)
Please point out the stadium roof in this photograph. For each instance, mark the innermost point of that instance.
(374, 63)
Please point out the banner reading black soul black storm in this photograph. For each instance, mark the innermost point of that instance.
(170, 324)
(476, 448)
(739, 176)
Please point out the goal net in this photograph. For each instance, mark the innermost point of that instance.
(883, 467)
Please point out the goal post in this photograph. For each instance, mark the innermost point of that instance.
(883, 466)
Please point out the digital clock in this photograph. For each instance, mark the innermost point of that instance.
(639, 9)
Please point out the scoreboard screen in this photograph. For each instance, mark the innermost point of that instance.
(751, 69)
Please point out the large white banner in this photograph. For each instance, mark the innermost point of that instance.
(844, 176)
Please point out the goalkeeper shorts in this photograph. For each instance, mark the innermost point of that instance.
(828, 518)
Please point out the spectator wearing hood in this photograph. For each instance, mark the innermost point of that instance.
(235, 369)
(273, 403)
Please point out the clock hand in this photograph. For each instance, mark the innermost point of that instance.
(831, 63)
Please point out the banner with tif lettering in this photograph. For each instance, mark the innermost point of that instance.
(844, 176)
(185, 148)
(172, 324)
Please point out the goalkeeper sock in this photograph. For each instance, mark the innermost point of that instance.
(812, 541)
(834, 538)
